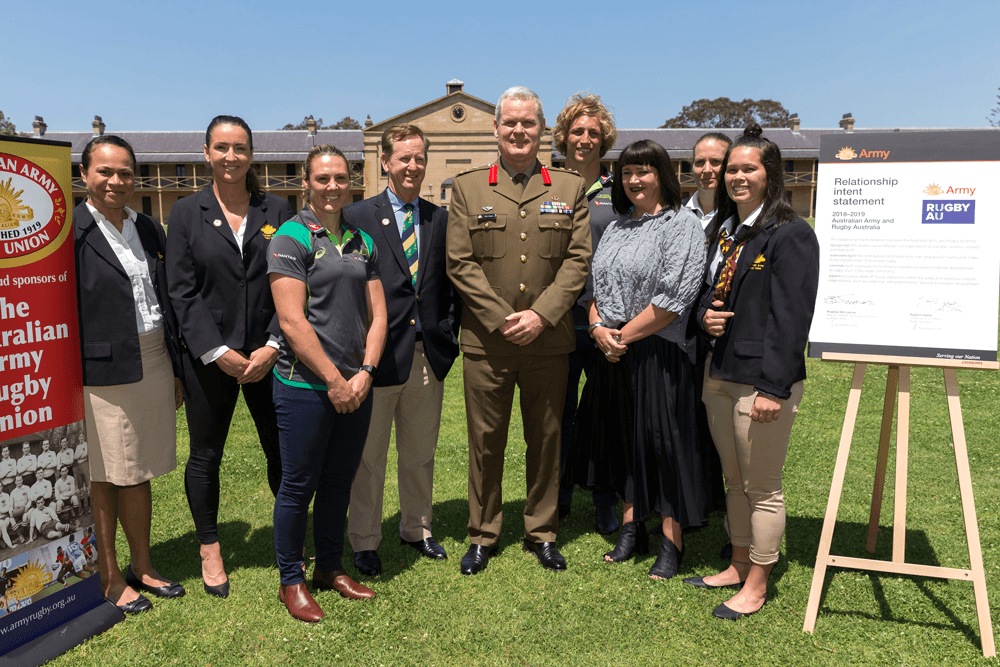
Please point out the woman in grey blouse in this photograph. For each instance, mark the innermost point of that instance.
(642, 441)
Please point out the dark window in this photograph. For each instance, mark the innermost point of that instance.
(685, 167)
(294, 201)
(181, 170)
(147, 206)
(789, 165)
(144, 171)
(291, 169)
(75, 171)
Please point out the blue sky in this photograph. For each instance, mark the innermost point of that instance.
(173, 66)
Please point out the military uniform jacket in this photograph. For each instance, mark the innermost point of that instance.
(508, 253)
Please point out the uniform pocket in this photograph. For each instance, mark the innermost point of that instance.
(487, 234)
(554, 232)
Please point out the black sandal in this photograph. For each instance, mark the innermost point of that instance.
(668, 561)
(633, 539)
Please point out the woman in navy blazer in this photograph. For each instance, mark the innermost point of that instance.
(756, 308)
(217, 275)
(127, 373)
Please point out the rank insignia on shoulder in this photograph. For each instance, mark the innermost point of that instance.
(268, 231)
(554, 207)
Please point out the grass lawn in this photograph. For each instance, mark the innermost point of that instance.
(515, 613)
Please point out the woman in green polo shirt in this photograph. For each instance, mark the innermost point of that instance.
(330, 304)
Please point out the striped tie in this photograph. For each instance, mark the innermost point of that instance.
(410, 242)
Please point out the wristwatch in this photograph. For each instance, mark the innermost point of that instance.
(371, 371)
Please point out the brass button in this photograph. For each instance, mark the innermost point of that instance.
(413, 322)
(524, 214)
(524, 258)
(522, 287)
(524, 237)
(557, 225)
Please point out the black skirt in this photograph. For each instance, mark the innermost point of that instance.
(636, 433)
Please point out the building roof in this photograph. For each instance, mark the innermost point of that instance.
(186, 146)
(803, 143)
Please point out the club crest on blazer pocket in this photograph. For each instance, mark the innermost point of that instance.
(758, 264)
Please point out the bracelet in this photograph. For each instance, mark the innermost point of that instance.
(594, 325)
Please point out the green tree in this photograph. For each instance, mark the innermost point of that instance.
(346, 123)
(993, 119)
(724, 112)
(7, 126)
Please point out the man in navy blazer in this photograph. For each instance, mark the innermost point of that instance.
(409, 233)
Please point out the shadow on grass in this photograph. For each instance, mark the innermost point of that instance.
(241, 548)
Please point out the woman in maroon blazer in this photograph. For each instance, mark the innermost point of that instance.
(217, 275)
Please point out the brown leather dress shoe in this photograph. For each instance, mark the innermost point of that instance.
(343, 584)
(299, 603)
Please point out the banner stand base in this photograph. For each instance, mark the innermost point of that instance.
(68, 635)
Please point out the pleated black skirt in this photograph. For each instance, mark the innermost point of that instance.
(636, 433)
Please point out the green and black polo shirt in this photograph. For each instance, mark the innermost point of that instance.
(336, 278)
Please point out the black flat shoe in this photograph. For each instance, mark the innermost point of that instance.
(476, 558)
(171, 590)
(727, 614)
(547, 553)
(668, 561)
(607, 519)
(633, 539)
(219, 591)
(699, 582)
(136, 606)
(427, 547)
(368, 563)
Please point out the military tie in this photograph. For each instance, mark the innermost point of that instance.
(410, 243)
(519, 183)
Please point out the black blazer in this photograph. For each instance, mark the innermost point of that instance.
(220, 297)
(109, 338)
(772, 297)
(434, 300)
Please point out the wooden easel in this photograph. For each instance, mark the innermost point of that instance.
(898, 384)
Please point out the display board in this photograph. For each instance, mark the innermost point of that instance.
(48, 557)
(909, 230)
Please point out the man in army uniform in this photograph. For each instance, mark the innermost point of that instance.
(518, 254)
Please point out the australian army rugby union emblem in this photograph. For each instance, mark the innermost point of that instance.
(32, 212)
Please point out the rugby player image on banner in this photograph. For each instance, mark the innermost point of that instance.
(47, 555)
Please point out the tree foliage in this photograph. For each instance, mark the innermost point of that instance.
(993, 119)
(7, 126)
(345, 123)
(724, 112)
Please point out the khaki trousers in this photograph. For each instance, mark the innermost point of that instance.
(752, 454)
(489, 396)
(415, 408)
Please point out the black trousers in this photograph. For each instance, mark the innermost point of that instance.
(211, 397)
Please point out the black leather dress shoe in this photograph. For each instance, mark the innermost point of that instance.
(547, 553)
(607, 519)
(136, 606)
(368, 563)
(476, 558)
(699, 582)
(171, 590)
(427, 547)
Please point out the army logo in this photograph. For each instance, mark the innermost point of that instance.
(32, 212)
(933, 189)
(845, 153)
(268, 231)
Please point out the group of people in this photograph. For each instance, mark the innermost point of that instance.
(40, 495)
(342, 321)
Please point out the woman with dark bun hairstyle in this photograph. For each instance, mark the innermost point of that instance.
(756, 307)
(640, 437)
(217, 273)
(131, 367)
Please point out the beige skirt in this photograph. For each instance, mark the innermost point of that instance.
(132, 428)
